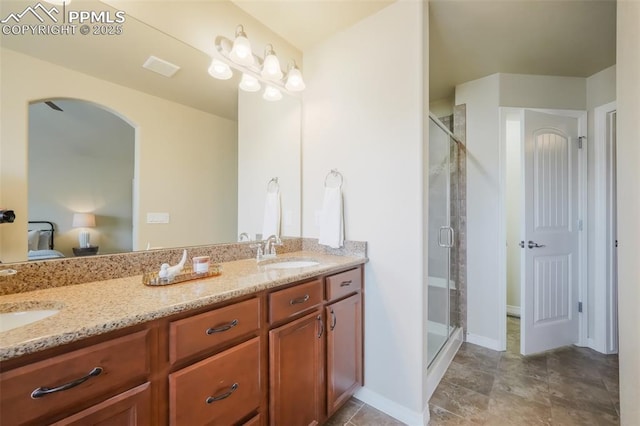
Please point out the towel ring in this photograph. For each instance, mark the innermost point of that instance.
(273, 185)
(336, 174)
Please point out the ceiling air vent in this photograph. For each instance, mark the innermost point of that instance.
(160, 66)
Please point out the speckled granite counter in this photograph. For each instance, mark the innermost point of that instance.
(99, 307)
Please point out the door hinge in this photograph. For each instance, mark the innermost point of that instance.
(579, 306)
(580, 138)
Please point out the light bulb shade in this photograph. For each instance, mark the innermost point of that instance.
(295, 83)
(241, 51)
(272, 94)
(220, 70)
(271, 66)
(84, 220)
(249, 83)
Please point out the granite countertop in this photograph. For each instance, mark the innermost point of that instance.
(99, 307)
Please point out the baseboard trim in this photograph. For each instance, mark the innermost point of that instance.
(513, 311)
(392, 408)
(484, 341)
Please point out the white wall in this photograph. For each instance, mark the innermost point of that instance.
(364, 116)
(628, 99)
(172, 142)
(600, 90)
(268, 147)
(541, 91)
(483, 210)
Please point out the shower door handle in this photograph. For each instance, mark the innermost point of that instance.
(450, 237)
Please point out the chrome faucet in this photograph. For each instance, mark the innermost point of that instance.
(270, 245)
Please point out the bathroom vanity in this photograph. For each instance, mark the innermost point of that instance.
(254, 346)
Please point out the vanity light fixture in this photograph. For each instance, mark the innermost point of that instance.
(237, 54)
(59, 2)
(271, 94)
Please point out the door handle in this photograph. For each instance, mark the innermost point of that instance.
(450, 237)
(534, 245)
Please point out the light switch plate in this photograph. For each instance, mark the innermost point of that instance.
(157, 217)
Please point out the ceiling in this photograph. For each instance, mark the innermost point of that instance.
(469, 39)
(472, 39)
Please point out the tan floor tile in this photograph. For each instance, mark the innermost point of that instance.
(367, 416)
(345, 413)
(508, 409)
(580, 394)
(441, 417)
(460, 401)
(469, 377)
(531, 389)
(563, 416)
(530, 366)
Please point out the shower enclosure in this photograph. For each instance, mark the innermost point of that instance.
(443, 293)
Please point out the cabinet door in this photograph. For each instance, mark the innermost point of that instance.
(130, 408)
(296, 372)
(344, 350)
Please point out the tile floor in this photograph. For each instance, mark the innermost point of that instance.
(564, 387)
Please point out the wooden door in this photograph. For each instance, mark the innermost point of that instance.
(344, 350)
(296, 372)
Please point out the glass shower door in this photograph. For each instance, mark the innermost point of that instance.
(440, 236)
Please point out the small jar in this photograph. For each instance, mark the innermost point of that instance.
(201, 264)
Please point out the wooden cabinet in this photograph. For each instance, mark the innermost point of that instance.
(296, 370)
(213, 329)
(72, 380)
(130, 408)
(344, 350)
(220, 390)
(288, 356)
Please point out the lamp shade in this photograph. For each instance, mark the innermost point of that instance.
(241, 51)
(295, 83)
(84, 220)
(249, 83)
(271, 67)
(220, 70)
(272, 94)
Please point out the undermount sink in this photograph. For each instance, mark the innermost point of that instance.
(17, 315)
(291, 264)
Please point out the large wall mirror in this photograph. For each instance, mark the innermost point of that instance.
(202, 156)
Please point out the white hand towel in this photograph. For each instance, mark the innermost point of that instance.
(332, 223)
(271, 223)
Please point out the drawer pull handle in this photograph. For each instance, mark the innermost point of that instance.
(299, 300)
(225, 395)
(334, 320)
(321, 332)
(40, 392)
(346, 283)
(222, 328)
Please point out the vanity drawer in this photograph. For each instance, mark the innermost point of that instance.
(344, 283)
(124, 362)
(294, 300)
(212, 329)
(221, 389)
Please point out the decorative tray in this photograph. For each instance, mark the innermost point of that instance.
(187, 274)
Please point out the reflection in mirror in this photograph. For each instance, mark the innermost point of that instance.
(81, 160)
(186, 162)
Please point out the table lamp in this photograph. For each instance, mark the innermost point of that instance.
(84, 220)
